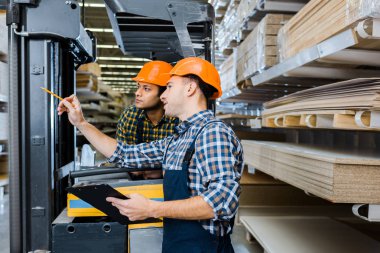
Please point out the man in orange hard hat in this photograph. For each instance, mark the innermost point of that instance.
(145, 121)
(202, 164)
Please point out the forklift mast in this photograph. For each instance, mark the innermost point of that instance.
(47, 43)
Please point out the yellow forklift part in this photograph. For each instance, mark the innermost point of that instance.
(79, 208)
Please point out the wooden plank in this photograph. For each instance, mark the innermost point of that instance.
(290, 120)
(300, 234)
(327, 119)
(312, 24)
(227, 71)
(235, 116)
(343, 105)
(259, 49)
(90, 68)
(336, 175)
(329, 155)
(4, 179)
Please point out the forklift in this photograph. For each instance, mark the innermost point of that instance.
(47, 44)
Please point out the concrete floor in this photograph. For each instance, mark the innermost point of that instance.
(241, 245)
(4, 224)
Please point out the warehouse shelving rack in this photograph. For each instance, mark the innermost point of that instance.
(330, 61)
(318, 65)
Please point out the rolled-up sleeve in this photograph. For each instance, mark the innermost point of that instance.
(144, 155)
(219, 159)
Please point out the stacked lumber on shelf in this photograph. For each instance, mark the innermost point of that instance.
(227, 72)
(220, 7)
(87, 76)
(338, 176)
(226, 35)
(259, 50)
(250, 12)
(3, 37)
(320, 20)
(245, 9)
(353, 104)
(3, 163)
(87, 81)
(90, 68)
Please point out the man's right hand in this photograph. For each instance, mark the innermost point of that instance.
(71, 105)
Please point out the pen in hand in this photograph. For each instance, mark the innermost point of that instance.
(51, 93)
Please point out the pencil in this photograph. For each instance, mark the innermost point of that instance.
(51, 93)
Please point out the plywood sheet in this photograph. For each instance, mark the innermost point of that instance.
(335, 175)
(356, 94)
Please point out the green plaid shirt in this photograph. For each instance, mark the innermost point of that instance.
(128, 123)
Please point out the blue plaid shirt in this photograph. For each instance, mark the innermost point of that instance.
(214, 171)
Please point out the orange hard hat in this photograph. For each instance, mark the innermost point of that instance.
(201, 68)
(152, 72)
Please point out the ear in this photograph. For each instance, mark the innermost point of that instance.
(191, 89)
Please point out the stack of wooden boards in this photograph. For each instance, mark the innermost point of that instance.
(227, 72)
(259, 50)
(337, 176)
(353, 104)
(220, 7)
(242, 16)
(3, 37)
(256, 53)
(87, 76)
(320, 20)
(226, 34)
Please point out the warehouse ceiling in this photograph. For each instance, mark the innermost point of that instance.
(137, 32)
(117, 68)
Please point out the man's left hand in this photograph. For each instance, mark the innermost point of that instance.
(137, 207)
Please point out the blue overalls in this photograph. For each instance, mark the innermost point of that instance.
(188, 236)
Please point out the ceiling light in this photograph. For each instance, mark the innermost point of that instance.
(119, 73)
(119, 82)
(92, 5)
(121, 58)
(120, 66)
(115, 78)
(100, 30)
(107, 46)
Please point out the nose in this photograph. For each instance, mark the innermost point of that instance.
(163, 96)
(138, 92)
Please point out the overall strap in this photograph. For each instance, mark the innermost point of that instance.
(190, 151)
(140, 130)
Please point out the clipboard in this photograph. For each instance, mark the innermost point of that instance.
(96, 196)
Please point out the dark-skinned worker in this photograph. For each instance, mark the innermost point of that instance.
(202, 164)
(146, 121)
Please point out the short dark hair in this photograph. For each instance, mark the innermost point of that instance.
(206, 89)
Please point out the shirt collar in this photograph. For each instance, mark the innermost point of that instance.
(196, 119)
(143, 116)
